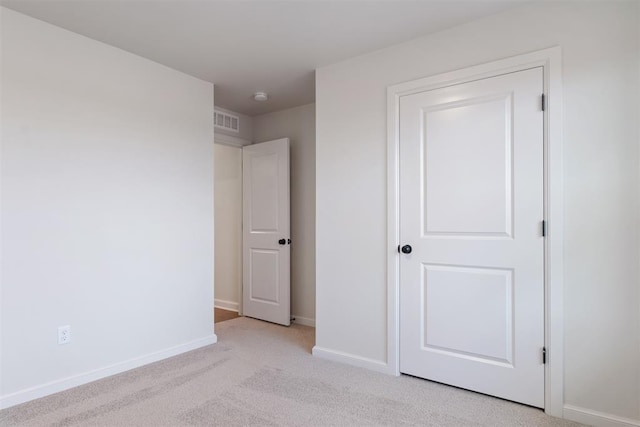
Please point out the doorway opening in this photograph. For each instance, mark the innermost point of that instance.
(252, 232)
(228, 231)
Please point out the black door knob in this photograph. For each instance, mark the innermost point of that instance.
(282, 241)
(406, 249)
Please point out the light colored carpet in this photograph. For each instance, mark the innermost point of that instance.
(264, 374)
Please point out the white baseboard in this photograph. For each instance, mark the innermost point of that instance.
(87, 377)
(351, 359)
(595, 418)
(304, 321)
(227, 305)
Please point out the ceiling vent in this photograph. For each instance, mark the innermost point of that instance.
(226, 121)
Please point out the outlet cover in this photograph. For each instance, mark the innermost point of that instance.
(64, 334)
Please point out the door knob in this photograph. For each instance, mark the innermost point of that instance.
(282, 241)
(406, 249)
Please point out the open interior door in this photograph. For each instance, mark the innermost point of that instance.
(266, 287)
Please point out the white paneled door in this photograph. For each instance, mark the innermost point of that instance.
(471, 211)
(266, 239)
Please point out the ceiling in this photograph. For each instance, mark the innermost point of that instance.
(261, 45)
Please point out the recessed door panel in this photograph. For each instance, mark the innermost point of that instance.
(468, 312)
(467, 167)
(265, 277)
(264, 190)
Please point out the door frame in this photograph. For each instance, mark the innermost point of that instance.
(221, 139)
(550, 60)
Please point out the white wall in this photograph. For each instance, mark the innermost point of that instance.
(228, 226)
(107, 209)
(298, 124)
(600, 76)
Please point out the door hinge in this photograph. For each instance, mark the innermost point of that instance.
(544, 102)
(544, 355)
(544, 228)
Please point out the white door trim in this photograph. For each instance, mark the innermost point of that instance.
(550, 60)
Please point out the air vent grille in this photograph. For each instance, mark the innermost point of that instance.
(226, 121)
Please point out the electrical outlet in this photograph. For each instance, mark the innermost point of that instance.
(64, 334)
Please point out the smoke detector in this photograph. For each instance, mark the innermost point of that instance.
(260, 96)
